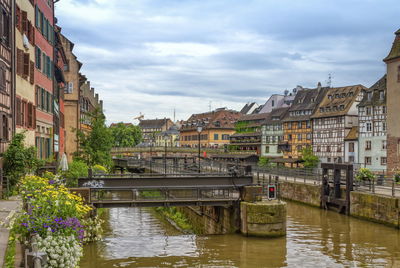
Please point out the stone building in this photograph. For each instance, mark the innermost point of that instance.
(247, 136)
(217, 127)
(272, 133)
(44, 69)
(372, 127)
(169, 138)
(297, 126)
(25, 107)
(7, 85)
(333, 119)
(150, 127)
(71, 97)
(393, 108)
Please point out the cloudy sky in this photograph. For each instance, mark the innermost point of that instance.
(154, 56)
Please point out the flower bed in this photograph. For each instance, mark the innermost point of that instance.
(59, 217)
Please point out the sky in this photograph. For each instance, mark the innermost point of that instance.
(152, 57)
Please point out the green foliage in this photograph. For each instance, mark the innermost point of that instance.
(242, 127)
(20, 160)
(310, 160)
(95, 145)
(397, 178)
(232, 147)
(364, 174)
(77, 169)
(99, 169)
(263, 161)
(176, 216)
(126, 135)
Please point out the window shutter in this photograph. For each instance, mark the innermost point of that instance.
(20, 61)
(2, 77)
(23, 113)
(36, 16)
(43, 63)
(32, 72)
(18, 112)
(30, 111)
(34, 117)
(18, 18)
(31, 33)
(24, 21)
(26, 65)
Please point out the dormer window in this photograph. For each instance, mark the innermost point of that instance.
(330, 97)
(321, 109)
(351, 93)
(341, 107)
(313, 99)
(336, 95)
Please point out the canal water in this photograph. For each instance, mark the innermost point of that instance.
(137, 237)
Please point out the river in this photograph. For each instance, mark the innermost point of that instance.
(137, 237)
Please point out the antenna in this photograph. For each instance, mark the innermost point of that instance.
(329, 81)
(174, 115)
(209, 105)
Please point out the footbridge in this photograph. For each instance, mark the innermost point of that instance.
(155, 190)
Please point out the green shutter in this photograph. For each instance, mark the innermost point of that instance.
(39, 59)
(43, 22)
(36, 16)
(42, 106)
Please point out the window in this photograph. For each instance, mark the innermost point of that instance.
(383, 126)
(318, 148)
(2, 76)
(216, 137)
(4, 122)
(225, 137)
(367, 145)
(4, 27)
(308, 136)
(328, 149)
(368, 110)
(384, 109)
(369, 96)
(272, 103)
(289, 125)
(266, 149)
(339, 149)
(290, 137)
(299, 125)
(384, 144)
(351, 159)
(299, 148)
(369, 127)
(299, 137)
(351, 147)
(383, 161)
(368, 160)
(381, 94)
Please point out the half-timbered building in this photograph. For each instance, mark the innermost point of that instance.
(297, 126)
(333, 119)
(7, 91)
(372, 127)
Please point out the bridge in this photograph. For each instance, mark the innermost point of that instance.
(155, 190)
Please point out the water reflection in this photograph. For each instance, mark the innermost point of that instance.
(137, 238)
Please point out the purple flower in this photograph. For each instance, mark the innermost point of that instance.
(52, 181)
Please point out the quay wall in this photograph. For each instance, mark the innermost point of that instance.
(367, 206)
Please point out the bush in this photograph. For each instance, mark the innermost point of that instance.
(99, 169)
(77, 169)
(263, 161)
(364, 174)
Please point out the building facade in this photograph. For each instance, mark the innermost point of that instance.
(280, 101)
(297, 126)
(44, 72)
(88, 102)
(372, 127)
(150, 127)
(60, 61)
(333, 119)
(248, 133)
(25, 108)
(7, 73)
(169, 138)
(272, 133)
(71, 97)
(393, 108)
(217, 127)
(351, 153)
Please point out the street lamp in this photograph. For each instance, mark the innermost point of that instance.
(199, 129)
(165, 153)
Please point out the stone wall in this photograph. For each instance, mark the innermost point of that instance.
(212, 220)
(300, 192)
(377, 208)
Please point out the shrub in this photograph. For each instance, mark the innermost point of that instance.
(364, 174)
(99, 169)
(76, 169)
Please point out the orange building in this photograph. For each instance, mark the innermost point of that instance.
(297, 126)
(217, 127)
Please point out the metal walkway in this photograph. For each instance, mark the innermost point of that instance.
(158, 190)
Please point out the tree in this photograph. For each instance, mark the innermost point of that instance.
(126, 135)
(95, 144)
(20, 160)
(310, 160)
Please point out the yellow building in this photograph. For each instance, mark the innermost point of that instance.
(217, 126)
(169, 137)
(25, 109)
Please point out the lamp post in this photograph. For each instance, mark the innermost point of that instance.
(165, 152)
(199, 129)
